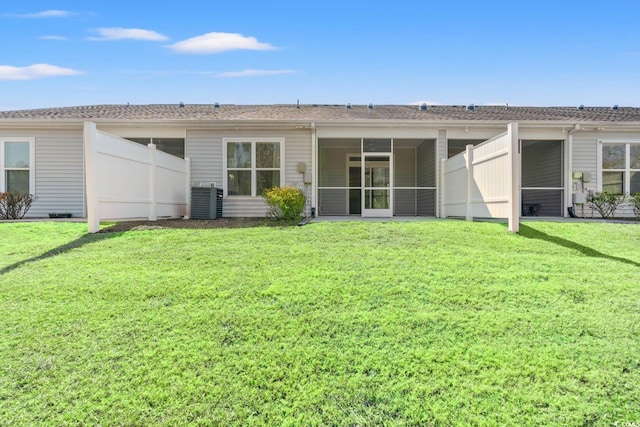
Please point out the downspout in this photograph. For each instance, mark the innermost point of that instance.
(569, 168)
(314, 171)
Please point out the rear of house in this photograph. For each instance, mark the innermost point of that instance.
(349, 160)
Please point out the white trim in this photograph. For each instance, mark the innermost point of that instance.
(253, 141)
(626, 170)
(32, 162)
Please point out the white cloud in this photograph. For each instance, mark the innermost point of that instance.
(45, 14)
(128, 34)
(8, 72)
(212, 43)
(50, 37)
(254, 73)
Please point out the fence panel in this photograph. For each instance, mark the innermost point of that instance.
(483, 182)
(126, 180)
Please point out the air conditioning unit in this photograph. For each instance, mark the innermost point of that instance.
(206, 202)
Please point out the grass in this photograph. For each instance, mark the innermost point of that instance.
(421, 323)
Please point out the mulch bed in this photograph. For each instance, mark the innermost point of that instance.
(196, 224)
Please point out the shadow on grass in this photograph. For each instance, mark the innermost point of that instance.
(531, 233)
(79, 242)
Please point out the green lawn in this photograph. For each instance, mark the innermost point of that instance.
(418, 323)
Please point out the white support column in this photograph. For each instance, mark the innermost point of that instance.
(514, 175)
(469, 216)
(568, 182)
(568, 171)
(153, 216)
(440, 154)
(314, 169)
(187, 165)
(90, 139)
(443, 190)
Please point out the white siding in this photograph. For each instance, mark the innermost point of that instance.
(204, 148)
(585, 159)
(59, 170)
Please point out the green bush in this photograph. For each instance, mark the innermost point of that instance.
(605, 203)
(286, 203)
(635, 202)
(14, 205)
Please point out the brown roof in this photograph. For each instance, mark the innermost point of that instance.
(320, 113)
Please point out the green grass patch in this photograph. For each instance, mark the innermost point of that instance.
(419, 323)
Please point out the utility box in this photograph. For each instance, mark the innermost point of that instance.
(206, 202)
(579, 198)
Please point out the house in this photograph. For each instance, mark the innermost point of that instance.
(361, 160)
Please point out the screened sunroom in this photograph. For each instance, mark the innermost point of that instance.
(376, 177)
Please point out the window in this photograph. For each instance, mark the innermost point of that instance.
(253, 166)
(173, 146)
(620, 167)
(16, 165)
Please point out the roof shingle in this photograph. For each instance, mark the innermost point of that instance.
(319, 113)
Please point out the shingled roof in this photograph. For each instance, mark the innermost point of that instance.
(325, 113)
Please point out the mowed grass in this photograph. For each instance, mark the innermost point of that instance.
(420, 323)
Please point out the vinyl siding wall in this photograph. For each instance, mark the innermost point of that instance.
(204, 148)
(585, 159)
(59, 170)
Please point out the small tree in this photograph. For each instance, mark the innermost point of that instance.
(14, 205)
(605, 203)
(635, 201)
(285, 203)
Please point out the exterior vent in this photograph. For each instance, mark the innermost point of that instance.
(216, 105)
(580, 107)
(181, 105)
(370, 106)
(348, 106)
(615, 107)
(471, 107)
(423, 107)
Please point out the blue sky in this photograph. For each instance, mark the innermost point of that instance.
(63, 53)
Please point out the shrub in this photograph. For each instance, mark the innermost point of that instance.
(286, 203)
(14, 205)
(635, 202)
(605, 203)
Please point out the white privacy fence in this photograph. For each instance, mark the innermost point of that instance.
(483, 181)
(126, 180)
